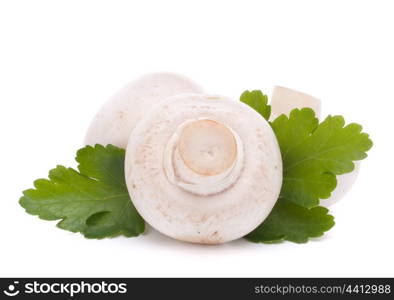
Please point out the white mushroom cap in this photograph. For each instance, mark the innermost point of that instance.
(203, 169)
(282, 102)
(120, 114)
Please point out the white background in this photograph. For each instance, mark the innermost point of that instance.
(60, 60)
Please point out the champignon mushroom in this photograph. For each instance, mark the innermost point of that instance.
(203, 169)
(119, 115)
(282, 102)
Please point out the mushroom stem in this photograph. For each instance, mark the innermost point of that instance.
(203, 157)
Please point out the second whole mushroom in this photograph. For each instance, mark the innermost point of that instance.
(116, 119)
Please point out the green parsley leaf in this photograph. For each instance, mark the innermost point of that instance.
(257, 100)
(93, 201)
(314, 153)
(291, 222)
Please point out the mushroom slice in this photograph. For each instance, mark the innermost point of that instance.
(282, 102)
(203, 169)
(117, 118)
